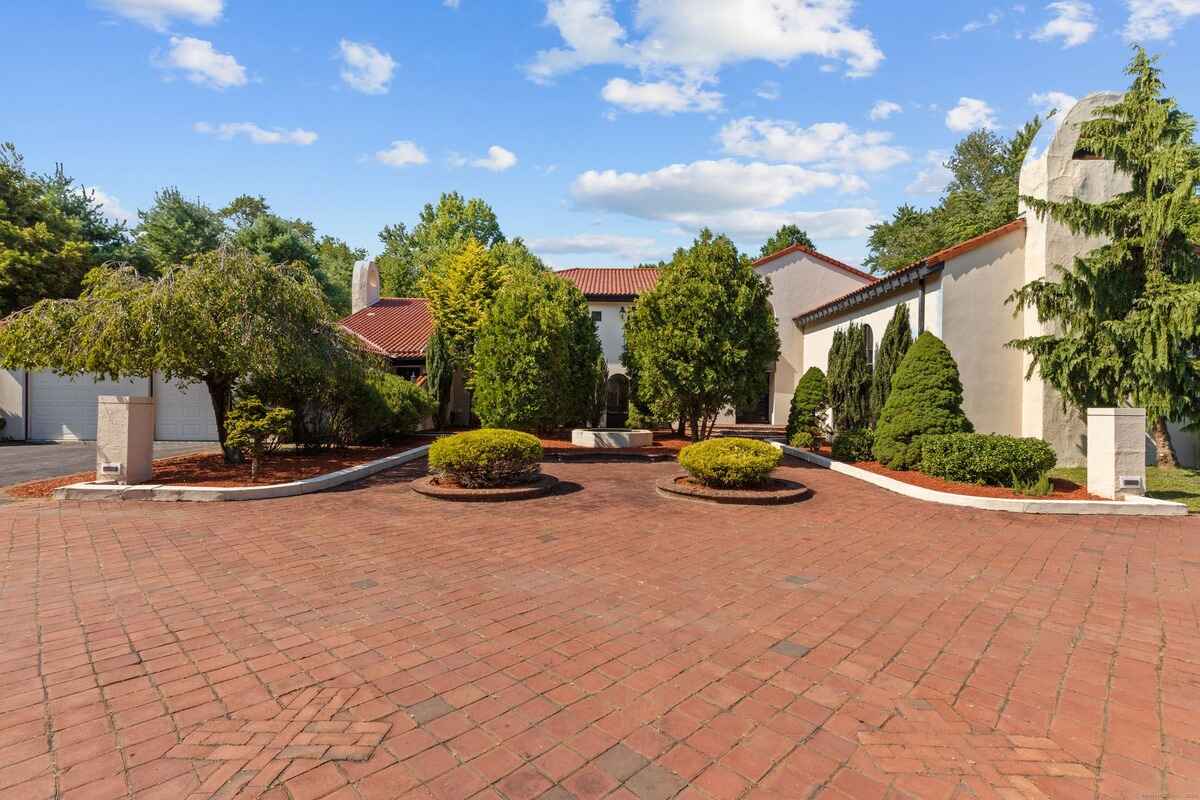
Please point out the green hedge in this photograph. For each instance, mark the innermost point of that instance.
(853, 445)
(803, 440)
(809, 401)
(987, 459)
(730, 462)
(487, 457)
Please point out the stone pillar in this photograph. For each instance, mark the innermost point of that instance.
(364, 286)
(124, 439)
(1116, 452)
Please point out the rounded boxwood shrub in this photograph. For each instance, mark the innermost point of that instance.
(487, 457)
(926, 398)
(803, 439)
(730, 463)
(852, 445)
(988, 459)
(809, 402)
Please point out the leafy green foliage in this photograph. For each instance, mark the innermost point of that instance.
(702, 339)
(536, 356)
(853, 445)
(252, 424)
(988, 459)
(487, 457)
(809, 401)
(926, 398)
(1036, 488)
(51, 233)
(982, 195)
(600, 396)
(730, 462)
(439, 371)
(1127, 315)
(393, 408)
(787, 235)
(175, 230)
(222, 320)
(897, 338)
(244, 209)
(849, 379)
(803, 439)
(460, 291)
(442, 229)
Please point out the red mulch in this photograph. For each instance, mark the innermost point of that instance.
(1063, 489)
(210, 469)
(664, 442)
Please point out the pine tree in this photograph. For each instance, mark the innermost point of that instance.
(809, 402)
(849, 379)
(439, 371)
(1127, 315)
(897, 338)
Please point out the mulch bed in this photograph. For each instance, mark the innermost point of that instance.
(1063, 488)
(210, 469)
(446, 489)
(774, 492)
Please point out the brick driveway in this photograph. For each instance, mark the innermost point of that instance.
(606, 642)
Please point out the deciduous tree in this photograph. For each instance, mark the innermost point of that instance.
(786, 236)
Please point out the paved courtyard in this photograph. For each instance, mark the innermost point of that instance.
(604, 642)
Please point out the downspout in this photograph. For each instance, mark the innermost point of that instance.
(25, 404)
(921, 309)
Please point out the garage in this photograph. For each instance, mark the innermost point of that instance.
(62, 409)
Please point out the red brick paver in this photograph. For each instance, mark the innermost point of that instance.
(602, 642)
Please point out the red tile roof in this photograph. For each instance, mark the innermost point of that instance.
(897, 278)
(824, 259)
(611, 281)
(398, 327)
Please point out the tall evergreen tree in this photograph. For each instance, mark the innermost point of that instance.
(1126, 316)
(850, 380)
(897, 338)
(439, 371)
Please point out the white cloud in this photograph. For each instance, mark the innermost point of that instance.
(738, 198)
(202, 64)
(626, 248)
(497, 160)
(158, 14)
(1151, 20)
(1074, 22)
(970, 114)
(229, 130)
(831, 144)
(979, 24)
(698, 37)
(402, 153)
(934, 177)
(365, 68)
(660, 96)
(450, 3)
(884, 109)
(769, 90)
(110, 206)
(1058, 102)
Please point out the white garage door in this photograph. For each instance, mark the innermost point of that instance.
(64, 409)
(183, 413)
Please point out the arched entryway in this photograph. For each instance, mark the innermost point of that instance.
(616, 405)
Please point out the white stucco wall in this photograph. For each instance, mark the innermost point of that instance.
(611, 330)
(976, 325)
(799, 282)
(12, 404)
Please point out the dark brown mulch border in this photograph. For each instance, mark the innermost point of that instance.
(428, 486)
(776, 492)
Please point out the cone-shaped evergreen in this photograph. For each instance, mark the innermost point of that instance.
(1127, 315)
(897, 338)
(850, 379)
(926, 397)
(808, 401)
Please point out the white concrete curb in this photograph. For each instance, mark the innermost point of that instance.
(1132, 506)
(152, 491)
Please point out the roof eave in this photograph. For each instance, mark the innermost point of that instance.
(884, 287)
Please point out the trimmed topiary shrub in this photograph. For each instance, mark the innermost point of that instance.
(926, 398)
(852, 445)
(487, 457)
(809, 402)
(802, 439)
(988, 459)
(730, 463)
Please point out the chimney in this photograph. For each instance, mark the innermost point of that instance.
(364, 286)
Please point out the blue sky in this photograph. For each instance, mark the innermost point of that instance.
(601, 131)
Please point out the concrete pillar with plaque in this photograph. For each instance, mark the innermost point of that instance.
(124, 439)
(1116, 452)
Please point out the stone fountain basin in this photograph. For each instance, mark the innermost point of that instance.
(611, 437)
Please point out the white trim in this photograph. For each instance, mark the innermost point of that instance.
(153, 491)
(1130, 506)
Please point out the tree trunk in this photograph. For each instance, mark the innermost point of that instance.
(219, 392)
(694, 421)
(254, 467)
(1167, 457)
(682, 429)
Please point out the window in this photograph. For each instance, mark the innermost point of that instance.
(869, 344)
(596, 315)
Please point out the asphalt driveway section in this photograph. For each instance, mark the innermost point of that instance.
(20, 463)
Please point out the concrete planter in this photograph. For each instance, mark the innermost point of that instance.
(611, 437)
